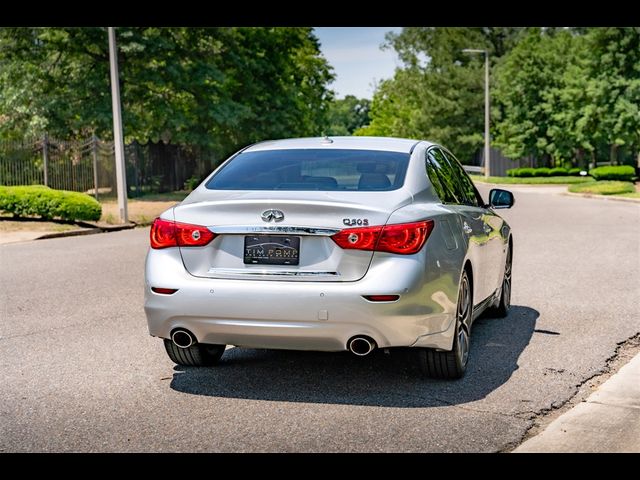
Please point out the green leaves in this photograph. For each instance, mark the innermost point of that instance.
(564, 94)
(439, 94)
(214, 88)
(44, 202)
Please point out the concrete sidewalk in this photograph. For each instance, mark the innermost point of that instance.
(608, 421)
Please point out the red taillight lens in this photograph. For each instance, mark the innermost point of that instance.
(404, 238)
(165, 233)
(358, 238)
(164, 291)
(382, 298)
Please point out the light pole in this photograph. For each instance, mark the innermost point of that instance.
(487, 141)
(121, 178)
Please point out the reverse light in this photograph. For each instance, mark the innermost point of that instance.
(403, 238)
(165, 234)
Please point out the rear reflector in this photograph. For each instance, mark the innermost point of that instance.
(403, 238)
(164, 291)
(165, 234)
(382, 298)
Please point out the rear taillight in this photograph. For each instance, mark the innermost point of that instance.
(404, 238)
(165, 233)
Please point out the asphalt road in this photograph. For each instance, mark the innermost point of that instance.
(80, 372)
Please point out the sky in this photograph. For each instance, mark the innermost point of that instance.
(358, 61)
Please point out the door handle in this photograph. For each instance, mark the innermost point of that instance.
(466, 228)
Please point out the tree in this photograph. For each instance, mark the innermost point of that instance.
(438, 94)
(536, 114)
(217, 88)
(614, 90)
(566, 93)
(346, 115)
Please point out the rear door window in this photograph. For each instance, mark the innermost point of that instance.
(441, 177)
(467, 189)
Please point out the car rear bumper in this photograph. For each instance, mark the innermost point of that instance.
(302, 315)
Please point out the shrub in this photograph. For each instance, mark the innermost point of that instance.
(513, 172)
(541, 172)
(191, 183)
(622, 172)
(558, 172)
(41, 201)
(575, 172)
(525, 172)
(604, 187)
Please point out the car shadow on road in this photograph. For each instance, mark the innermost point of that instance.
(387, 380)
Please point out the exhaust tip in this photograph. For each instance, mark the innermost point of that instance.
(361, 346)
(182, 338)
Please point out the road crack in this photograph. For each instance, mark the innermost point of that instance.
(540, 419)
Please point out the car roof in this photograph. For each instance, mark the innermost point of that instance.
(387, 144)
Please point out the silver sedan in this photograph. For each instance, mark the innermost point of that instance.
(330, 244)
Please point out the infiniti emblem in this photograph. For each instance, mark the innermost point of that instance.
(275, 215)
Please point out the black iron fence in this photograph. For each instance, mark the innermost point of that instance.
(89, 166)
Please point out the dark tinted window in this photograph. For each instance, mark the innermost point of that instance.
(313, 169)
(467, 190)
(441, 177)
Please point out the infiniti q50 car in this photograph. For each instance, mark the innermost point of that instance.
(330, 244)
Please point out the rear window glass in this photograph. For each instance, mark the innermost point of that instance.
(313, 169)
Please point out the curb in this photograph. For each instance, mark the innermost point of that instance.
(602, 197)
(88, 231)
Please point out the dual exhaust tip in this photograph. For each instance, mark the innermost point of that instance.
(359, 345)
(182, 338)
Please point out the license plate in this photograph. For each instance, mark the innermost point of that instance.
(271, 250)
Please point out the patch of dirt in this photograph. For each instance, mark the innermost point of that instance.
(140, 211)
(34, 226)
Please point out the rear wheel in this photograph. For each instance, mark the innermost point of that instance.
(453, 364)
(197, 355)
(502, 309)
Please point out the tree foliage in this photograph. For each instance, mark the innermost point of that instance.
(567, 93)
(561, 95)
(439, 93)
(212, 87)
(346, 115)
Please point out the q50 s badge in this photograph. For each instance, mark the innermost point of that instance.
(355, 221)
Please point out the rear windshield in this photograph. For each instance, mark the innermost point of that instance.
(313, 169)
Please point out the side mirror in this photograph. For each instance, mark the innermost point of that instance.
(499, 198)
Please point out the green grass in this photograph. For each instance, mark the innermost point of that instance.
(604, 187)
(531, 180)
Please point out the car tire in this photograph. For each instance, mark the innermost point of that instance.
(453, 364)
(502, 309)
(197, 355)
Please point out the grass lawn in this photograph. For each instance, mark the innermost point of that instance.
(630, 195)
(605, 187)
(531, 180)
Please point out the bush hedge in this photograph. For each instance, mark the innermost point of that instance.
(41, 201)
(543, 172)
(558, 172)
(622, 173)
